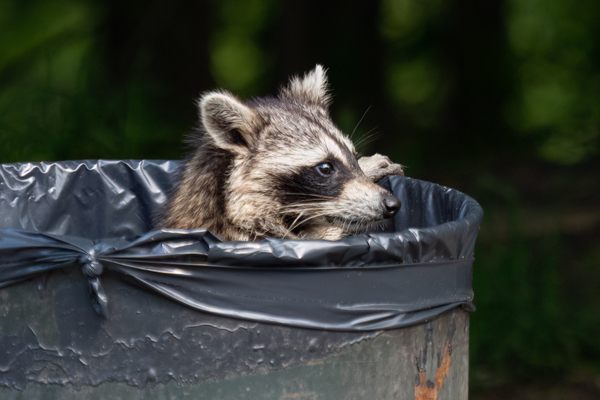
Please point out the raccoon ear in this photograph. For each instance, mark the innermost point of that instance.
(230, 123)
(312, 88)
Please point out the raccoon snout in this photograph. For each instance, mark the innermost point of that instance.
(390, 205)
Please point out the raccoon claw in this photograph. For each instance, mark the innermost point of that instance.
(379, 166)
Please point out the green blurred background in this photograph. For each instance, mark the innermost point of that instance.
(500, 99)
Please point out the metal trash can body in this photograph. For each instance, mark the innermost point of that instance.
(180, 314)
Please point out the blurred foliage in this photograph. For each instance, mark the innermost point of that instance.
(498, 98)
(558, 76)
(237, 59)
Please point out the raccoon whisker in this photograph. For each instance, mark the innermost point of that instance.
(365, 223)
(316, 200)
(319, 196)
(311, 210)
(358, 123)
(291, 228)
(307, 219)
(303, 207)
(344, 226)
(360, 222)
(366, 138)
(371, 132)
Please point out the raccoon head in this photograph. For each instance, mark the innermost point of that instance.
(292, 172)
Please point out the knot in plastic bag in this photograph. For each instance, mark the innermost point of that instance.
(90, 265)
(92, 269)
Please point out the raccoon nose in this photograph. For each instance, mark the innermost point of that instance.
(391, 204)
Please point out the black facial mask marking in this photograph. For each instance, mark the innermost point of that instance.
(309, 185)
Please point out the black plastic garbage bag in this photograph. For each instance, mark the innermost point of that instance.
(97, 216)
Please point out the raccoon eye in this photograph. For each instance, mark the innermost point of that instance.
(325, 169)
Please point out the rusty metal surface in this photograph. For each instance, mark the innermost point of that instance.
(53, 347)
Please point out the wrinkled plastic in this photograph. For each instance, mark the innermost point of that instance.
(98, 216)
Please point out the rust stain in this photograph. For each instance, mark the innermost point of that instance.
(428, 390)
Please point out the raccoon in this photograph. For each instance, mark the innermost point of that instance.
(278, 167)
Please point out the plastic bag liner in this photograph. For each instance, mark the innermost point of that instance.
(98, 216)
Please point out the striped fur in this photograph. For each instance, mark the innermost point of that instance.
(261, 169)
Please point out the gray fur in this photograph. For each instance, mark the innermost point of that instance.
(247, 155)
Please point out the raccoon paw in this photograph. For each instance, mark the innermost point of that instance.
(378, 166)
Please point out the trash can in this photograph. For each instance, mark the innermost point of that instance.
(95, 303)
